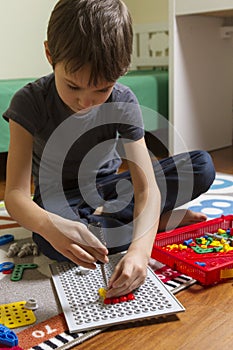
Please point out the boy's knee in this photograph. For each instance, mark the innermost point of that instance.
(203, 168)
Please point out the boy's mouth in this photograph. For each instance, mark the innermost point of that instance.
(82, 111)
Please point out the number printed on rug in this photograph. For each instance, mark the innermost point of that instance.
(49, 334)
(213, 206)
(223, 184)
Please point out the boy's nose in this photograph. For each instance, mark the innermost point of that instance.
(85, 102)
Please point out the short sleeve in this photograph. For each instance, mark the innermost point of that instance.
(132, 127)
(27, 108)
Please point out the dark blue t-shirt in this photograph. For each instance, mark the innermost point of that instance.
(76, 145)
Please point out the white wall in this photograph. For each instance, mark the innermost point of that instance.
(23, 26)
(148, 11)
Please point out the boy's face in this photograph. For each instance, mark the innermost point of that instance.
(74, 91)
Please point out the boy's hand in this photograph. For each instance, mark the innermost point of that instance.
(75, 241)
(129, 274)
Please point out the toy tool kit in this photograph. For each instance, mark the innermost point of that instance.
(85, 309)
(203, 251)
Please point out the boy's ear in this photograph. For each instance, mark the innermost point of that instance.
(47, 52)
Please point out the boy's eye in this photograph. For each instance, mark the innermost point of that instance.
(107, 89)
(104, 90)
(73, 87)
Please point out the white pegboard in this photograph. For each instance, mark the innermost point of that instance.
(85, 310)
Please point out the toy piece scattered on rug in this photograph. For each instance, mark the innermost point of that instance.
(18, 271)
(31, 304)
(6, 266)
(6, 239)
(115, 300)
(15, 315)
(7, 337)
(26, 250)
(13, 250)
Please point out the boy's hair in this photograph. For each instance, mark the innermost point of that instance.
(98, 32)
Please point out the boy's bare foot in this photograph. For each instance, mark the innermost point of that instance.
(179, 217)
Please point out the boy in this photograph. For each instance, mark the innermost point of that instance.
(57, 121)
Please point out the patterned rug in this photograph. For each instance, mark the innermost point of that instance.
(218, 200)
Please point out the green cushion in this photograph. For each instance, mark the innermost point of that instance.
(149, 86)
(7, 89)
(151, 90)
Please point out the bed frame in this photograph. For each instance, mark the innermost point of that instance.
(150, 46)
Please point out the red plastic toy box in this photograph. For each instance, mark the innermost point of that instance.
(218, 265)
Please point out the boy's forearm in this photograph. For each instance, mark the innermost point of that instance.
(146, 220)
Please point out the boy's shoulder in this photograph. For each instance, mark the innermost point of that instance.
(36, 89)
(29, 105)
(122, 93)
(42, 84)
(45, 80)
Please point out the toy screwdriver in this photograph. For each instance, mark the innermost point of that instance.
(97, 230)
